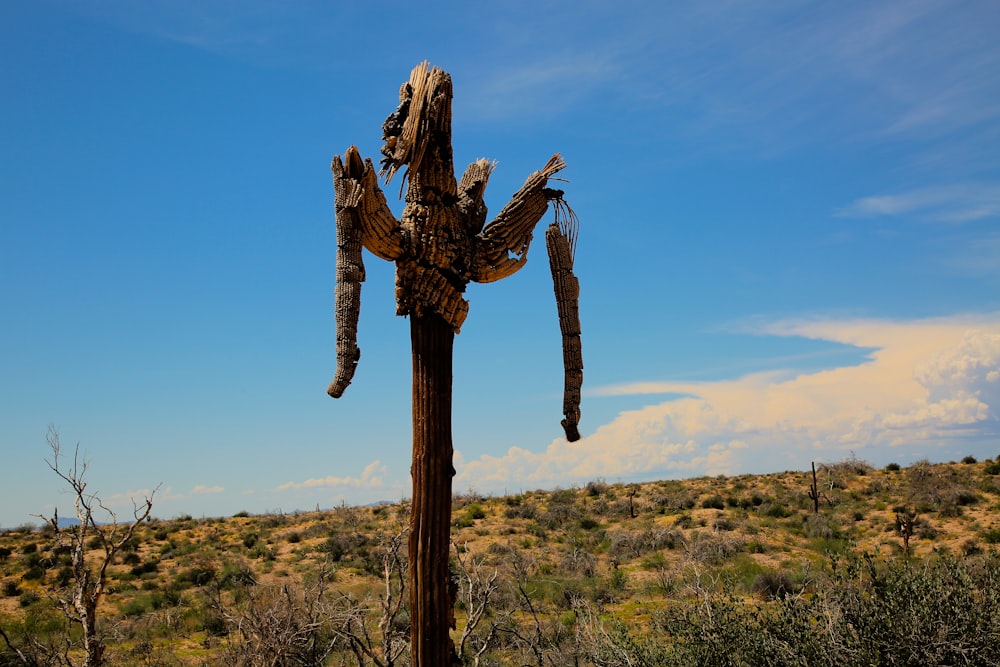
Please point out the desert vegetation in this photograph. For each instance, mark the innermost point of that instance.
(852, 566)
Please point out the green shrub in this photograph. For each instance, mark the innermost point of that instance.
(775, 510)
(970, 547)
(213, 623)
(521, 511)
(200, 575)
(654, 561)
(148, 567)
(560, 496)
(64, 575)
(941, 489)
(262, 552)
(234, 575)
(28, 598)
(819, 526)
(135, 607)
(723, 522)
(618, 580)
(559, 515)
(942, 612)
(713, 502)
(776, 584)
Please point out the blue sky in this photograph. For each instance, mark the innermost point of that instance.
(789, 246)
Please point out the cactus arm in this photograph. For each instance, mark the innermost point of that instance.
(501, 249)
(363, 220)
(380, 231)
(560, 242)
(350, 274)
(470, 194)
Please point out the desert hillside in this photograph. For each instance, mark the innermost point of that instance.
(546, 577)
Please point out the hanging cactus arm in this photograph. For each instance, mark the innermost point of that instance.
(363, 219)
(501, 249)
(350, 274)
(560, 242)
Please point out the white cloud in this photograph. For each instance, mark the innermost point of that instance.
(957, 203)
(548, 86)
(125, 502)
(927, 382)
(371, 476)
(201, 489)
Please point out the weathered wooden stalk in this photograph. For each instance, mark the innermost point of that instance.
(440, 245)
(430, 519)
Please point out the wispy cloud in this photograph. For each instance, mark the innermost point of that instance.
(371, 476)
(542, 87)
(635, 389)
(849, 71)
(201, 490)
(963, 202)
(213, 26)
(927, 383)
(127, 500)
(979, 257)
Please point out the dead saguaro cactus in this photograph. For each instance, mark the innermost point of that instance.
(906, 521)
(442, 243)
(814, 492)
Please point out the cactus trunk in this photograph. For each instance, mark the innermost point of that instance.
(431, 601)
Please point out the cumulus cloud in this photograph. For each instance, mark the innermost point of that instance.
(926, 382)
(371, 476)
